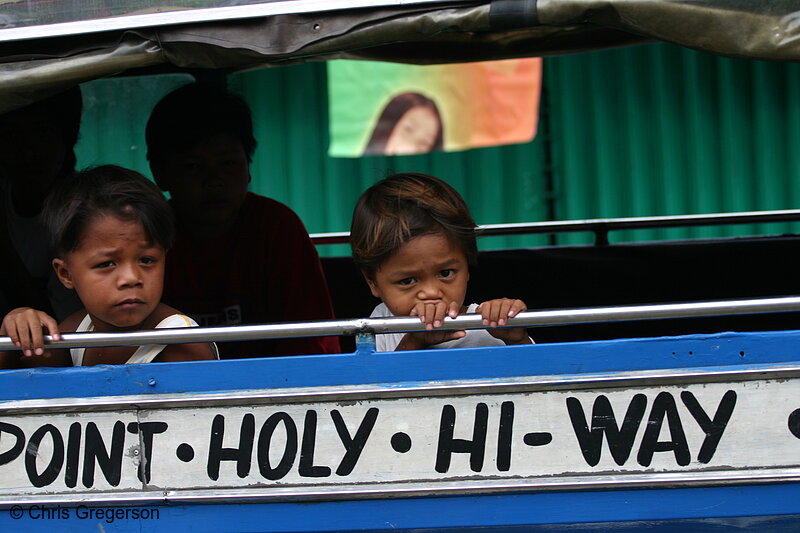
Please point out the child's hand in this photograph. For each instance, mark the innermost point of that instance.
(497, 312)
(420, 340)
(432, 315)
(25, 327)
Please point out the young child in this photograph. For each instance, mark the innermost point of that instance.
(110, 229)
(413, 238)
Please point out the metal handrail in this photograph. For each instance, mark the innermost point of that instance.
(405, 324)
(602, 226)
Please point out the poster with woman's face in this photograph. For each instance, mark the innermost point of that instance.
(396, 109)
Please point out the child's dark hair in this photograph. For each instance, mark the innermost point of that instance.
(100, 191)
(192, 114)
(402, 207)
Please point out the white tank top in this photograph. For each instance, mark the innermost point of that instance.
(143, 354)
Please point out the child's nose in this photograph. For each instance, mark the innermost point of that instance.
(429, 290)
(129, 275)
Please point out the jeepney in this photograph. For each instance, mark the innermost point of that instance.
(685, 418)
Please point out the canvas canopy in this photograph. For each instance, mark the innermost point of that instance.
(48, 46)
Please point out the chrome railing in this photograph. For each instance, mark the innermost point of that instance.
(369, 326)
(601, 226)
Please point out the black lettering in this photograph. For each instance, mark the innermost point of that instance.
(242, 455)
(620, 440)
(353, 446)
(289, 451)
(712, 428)
(306, 467)
(448, 445)
(146, 430)
(664, 404)
(53, 468)
(73, 454)
(13, 452)
(95, 451)
(504, 435)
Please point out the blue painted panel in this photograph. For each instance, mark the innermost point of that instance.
(767, 507)
(775, 507)
(351, 369)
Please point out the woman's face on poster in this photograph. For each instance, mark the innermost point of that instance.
(415, 132)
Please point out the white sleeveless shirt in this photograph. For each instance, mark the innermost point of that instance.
(143, 354)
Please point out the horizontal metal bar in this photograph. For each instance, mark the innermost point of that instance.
(405, 324)
(607, 224)
(195, 15)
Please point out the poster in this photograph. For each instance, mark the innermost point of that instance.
(396, 109)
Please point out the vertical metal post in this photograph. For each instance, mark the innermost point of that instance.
(365, 343)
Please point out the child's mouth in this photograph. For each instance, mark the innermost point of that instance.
(129, 303)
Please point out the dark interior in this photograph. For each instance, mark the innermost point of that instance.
(618, 274)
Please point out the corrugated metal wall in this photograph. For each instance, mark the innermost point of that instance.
(649, 130)
(662, 130)
(500, 184)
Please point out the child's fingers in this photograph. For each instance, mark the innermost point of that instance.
(425, 312)
(506, 306)
(491, 312)
(433, 314)
(453, 335)
(438, 337)
(497, 312)
(25, 328)
(453, 308)
(23, 338)
(514, 307)
(10, 331)
(517, 306)
(37, 339)
(51, 325)
(441, 310)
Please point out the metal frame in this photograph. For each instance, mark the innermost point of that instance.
(601, 226)
(366, 327)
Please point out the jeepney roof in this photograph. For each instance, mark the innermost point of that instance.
(48, 46)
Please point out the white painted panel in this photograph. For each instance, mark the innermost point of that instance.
(674, 429)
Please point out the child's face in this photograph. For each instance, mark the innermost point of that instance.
(208, 183)
(116, 272)
(427, 269)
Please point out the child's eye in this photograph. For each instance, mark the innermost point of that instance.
(104, 264)
(406, 281)
(147, 260)
(447, 273)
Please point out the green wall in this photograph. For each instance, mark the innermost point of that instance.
(648, 130)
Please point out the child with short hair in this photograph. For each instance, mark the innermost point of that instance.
(110, 229)
(413, 238)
